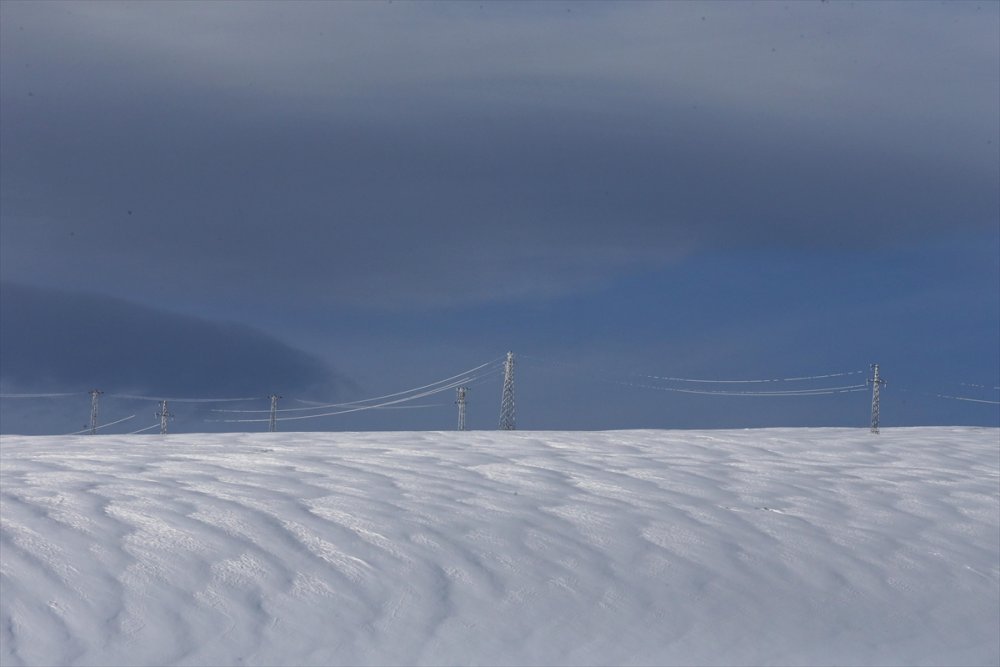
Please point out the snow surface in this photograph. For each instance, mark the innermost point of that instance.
(774, 546)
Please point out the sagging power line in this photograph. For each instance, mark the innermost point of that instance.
(467, 378)
(92, 430)
(773, 387)
(803, 378)
(362, 401)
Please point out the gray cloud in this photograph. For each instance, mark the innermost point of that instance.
(443, 153)
(65, 341)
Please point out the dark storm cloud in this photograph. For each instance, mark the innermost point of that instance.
(64, 341)
(443, 153)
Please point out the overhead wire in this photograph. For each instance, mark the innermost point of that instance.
(968, 399)
(979, 386)
(354, 409)
(799, 378)
(362, 401)
(98, 428)
(398, 393)
(819, 391)
(413, 407)
(184, 400)
(360, 408)
(470, 377)
(484, 377)
(791, 379)
(814, 391)
(483, 372)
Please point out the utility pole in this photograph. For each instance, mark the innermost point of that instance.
(164, 415)
(460, 402)
(95, 398)
(507, 398)
(876, 384)
(272, 425)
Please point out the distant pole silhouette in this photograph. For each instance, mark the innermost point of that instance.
(876, 383)
(507, 399)
(164, 416)
(460, 402)
(95, 399)
(272, 425)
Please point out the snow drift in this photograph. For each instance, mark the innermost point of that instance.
(776, 546)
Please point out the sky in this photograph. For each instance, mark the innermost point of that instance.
(332, 201)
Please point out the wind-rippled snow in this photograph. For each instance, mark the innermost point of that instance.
(773, 546)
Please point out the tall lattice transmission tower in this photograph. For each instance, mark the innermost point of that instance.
(272, 423)
(164, 416)
(876, 383)
(507, 398)
(95, 399)
(460, 402)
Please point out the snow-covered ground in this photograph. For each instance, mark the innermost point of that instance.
(776, 546)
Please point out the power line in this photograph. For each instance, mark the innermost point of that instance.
(398, 393)
(819, 391)
(401, 400)
(362, 401)
(160, 399)
(791, 379)
(979, 386)
(410, 407)
(951, 397)
(484, 377)
(813, 391)
(355, 409)
(91, 430)
(966, 398)
(360, 408)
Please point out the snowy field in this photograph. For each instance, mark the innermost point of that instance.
(776, 546)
